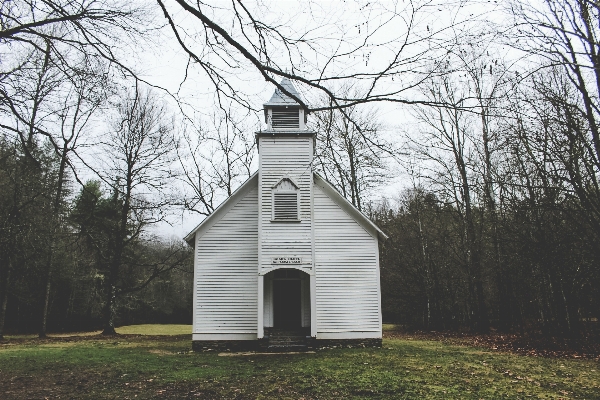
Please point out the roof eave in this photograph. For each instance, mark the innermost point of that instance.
(358, 215)
(277, 132)
(214, 216)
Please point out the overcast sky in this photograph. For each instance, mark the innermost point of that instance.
(336, 26)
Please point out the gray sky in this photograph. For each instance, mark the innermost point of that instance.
(371, 31)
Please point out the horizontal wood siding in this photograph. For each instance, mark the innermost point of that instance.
(268, 302)
(346, 270)
(225, 299)
(305, 301)
(281, 157)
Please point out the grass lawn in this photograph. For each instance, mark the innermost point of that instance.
(155, 329)
(143, 329)
(135, 366)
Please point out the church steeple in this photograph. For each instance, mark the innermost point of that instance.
(282, 112)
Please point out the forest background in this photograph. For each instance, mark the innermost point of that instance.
(120, 119)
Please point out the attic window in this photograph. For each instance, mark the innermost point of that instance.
(285, 206)
(285, 201)
(288, 118)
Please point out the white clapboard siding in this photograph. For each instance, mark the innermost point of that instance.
(225, 299)
(282, 157)
(346, 270)
(305, 300)
(268, 302)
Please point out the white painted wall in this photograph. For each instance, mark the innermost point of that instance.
(236, 245)
(225, 273)
(282, 156)
(268, 302)
(305, 287)
(346, 271)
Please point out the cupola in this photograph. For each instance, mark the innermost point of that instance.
(282, 112)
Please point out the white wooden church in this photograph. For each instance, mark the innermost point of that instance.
(286, 252)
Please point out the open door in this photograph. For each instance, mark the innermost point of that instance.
(287, 305)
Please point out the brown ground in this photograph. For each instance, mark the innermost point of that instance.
(533, 345)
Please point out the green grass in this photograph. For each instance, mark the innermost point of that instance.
(164, 366)
(390, 327)
(155, 329)
(142, 329)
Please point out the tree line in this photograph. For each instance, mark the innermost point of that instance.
(76, 256)
(499, 228)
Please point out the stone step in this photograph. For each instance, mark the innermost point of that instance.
(281, 340)
(287, 348)
(287, 337)
(287, 334)
(300, 337)
(286, 342)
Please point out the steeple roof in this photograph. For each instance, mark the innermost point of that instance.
(281, 99)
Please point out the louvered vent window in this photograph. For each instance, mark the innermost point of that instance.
(285, 118)
(285, 206)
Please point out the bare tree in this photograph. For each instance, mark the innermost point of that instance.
(69, 28)
(390, 47)
(82, 96)
(141, 155)
(216, 159)
(562, 38)
(448, 143)
(486, 77)
(557, 112)
(351, 152)
(555, 175)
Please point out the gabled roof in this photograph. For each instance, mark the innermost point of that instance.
(252, 182)
(223, 208)
(348, 207)
(281, 99)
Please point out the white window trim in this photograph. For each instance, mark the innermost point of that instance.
(285, 177)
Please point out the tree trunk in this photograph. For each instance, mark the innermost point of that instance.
(480, 322)
(111, 290)
(4, 291)
(42, 333)
(55, 223)
(108, 312)
(117, 255)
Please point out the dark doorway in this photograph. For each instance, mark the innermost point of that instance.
(286, 304)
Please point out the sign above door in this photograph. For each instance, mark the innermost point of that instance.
(287, 260)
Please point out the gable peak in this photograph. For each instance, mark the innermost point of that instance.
(286, 183)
